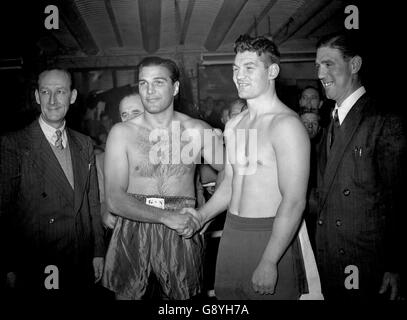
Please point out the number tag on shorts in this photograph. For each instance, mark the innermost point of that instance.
(155, 202)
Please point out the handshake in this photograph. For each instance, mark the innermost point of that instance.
(186, 222)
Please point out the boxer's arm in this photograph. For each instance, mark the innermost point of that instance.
(220, 200)
(212, 144)
(292, 150)
(116, 172)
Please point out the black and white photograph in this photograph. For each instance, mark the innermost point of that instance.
(195, 158)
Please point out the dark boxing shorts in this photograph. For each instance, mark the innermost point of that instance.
(241, 247)
(139, 250)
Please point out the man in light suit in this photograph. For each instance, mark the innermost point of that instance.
(52, 235)
(360, 177)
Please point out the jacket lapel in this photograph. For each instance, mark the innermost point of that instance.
(46, 162)
(348, 129)
(80, 167)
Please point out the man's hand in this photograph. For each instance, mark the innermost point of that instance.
(391, 281)
(109, 220)
(202, 224)
(264, 278)
(185, 224)
(98, 264)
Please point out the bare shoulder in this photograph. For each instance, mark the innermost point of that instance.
(118, 129)
(191, 123)
(285, 125)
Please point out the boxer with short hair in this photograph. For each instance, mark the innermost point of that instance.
(147, 182)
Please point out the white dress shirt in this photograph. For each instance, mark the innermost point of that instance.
(348, 103)
(50, 134)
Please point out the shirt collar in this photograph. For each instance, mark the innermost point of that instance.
(50, 134)
(348, 103)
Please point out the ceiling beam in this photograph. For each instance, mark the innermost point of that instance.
(185, 25)
(261, 16)
(299, 19)
(329, 19)
(223, 22)
(150, 22)
(77, 26)
(109, 9)
(320, 18)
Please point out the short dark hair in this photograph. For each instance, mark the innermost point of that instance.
(260, 45)
(314, 88)
(346, 42)
(42, 73)
(158, 61)
(301, 113)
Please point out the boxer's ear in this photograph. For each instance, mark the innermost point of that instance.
(176, 88)
(273, 71)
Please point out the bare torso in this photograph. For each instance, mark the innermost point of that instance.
(154, 167)
(255, 190)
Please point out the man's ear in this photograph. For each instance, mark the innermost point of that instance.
(37, 96)
(176, 88)
(356, 64)
(273, 71)
(74, 94)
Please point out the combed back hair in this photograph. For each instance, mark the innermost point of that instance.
(158, 61)
(55, 69)
(346, 42)
(261, 45)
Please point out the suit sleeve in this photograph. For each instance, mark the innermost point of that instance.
(391, 150)
(94, 205)
(10, 175)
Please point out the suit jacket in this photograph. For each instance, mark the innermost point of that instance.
(360, 202)
(43, 220)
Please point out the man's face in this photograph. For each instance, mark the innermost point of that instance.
(130, 107)
(156, 89)
(54, 96)
(311, 123)
(335, 74)
(310, 100)
(250, 75)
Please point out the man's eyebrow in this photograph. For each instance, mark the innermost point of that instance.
(326, 61)
(155, 78)
(245, 64)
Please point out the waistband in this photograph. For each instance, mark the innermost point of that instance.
(165, 202)
(244, 223)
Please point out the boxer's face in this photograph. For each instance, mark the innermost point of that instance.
(157, 91)
(252, 75)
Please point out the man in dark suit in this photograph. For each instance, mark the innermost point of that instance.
(360, 177)
(52, 236)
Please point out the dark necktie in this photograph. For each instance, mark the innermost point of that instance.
(334, 129)
(58, 142)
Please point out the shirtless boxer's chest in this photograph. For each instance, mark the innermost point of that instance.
(255, 180)
(154, 165)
